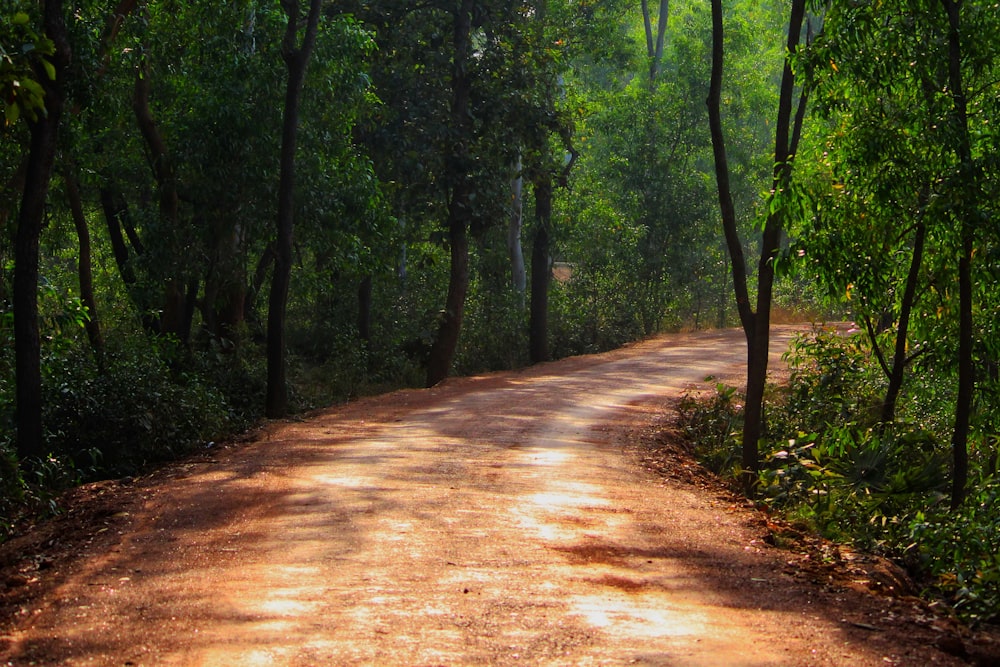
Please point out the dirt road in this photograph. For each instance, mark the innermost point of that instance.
(489, 521)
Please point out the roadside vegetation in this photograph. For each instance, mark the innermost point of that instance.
(830, 465)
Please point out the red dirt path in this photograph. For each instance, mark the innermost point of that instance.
(496, 520)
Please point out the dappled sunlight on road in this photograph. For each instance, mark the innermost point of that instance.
(489, 521)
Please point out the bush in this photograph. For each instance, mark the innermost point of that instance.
(880, 487)
(961, 552)
(134, 411)
(713, 425)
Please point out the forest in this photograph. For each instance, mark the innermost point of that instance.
(213, 213)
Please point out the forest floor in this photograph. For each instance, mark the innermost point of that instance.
(540, 517)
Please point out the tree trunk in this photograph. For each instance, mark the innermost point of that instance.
(661, 33)
(460, 203)
(446, 342)
(223, 309)
(297, 61)
(27, 349)
(897, 370)
(365, 309)
(647, 23)
(515, 224)
(173, 307)
(541, 273)
(963, 151)
(264, 263)
(113, 212)
(756, 323)
(116, 218)
(84, 264)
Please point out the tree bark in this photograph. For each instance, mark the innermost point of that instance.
(116, 217)
(297, 61)
(541, 273)
(460, 202)
(756, 323)
(898, 368)
(84, 264)
(172, 318)
(44, 135)
(647, 23)
(661, 33)
(963, 151)
(515, 224)
(365, 309)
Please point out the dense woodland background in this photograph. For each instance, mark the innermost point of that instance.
(215, 211)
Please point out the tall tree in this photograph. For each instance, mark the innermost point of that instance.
(756, 320)
(84, 262)
(458, 164)
(44, 129)
(654, 49)
(296, 55)
(897, 82)
(966, 212)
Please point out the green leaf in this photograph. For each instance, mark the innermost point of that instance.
(50, 69)
(20, 18)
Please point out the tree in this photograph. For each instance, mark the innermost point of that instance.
(655, 51)
(44, 128)
(461, 199)
(897, 84)
(756, 320)
(296, 56)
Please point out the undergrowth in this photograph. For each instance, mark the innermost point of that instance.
(827, 463)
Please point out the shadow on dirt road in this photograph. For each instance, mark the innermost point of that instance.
(489, 521)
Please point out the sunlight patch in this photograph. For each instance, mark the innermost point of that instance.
(557, 500)
(347, 481)
(549, 457)
(642, 616)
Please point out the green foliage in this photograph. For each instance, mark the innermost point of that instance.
(713, 424)
(961, 551)
(31, 488)
(828, 463)
(833, 381)
(23, 53)
(135, 411)
(855, 485)
(494, 331)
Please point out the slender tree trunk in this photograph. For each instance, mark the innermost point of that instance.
(963, 151)
(116, 218)
(966, 376)
(661, 33)
(264, 263)
(898, 368)
(647, 23)
(365, 309)
(113, 213)
(297, 60)
(461, 200)
(172, 317)
(446, 342)
(756, 323)
(84, 264)
(541, 273)
(44, 135)
(514, 227)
